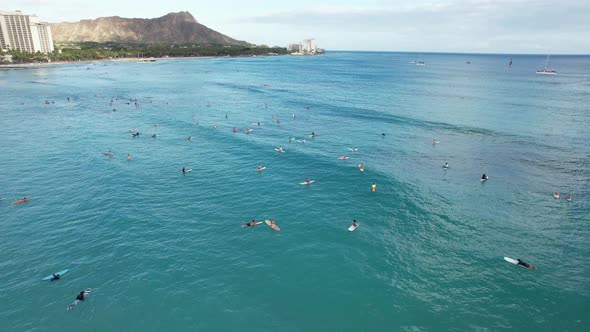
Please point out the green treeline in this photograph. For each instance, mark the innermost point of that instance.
(98, 51)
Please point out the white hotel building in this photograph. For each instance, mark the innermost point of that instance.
(25, 33)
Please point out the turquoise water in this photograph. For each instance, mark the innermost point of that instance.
(164, 250)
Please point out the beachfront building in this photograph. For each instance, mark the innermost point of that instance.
(24, 32)
(305, 47)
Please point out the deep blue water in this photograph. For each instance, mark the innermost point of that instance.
(164, 250)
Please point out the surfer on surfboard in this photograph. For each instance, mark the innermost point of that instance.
(484, 177)
(55, 277)
(23, 200)
(528, 266)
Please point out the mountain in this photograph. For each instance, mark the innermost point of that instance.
(173, 28)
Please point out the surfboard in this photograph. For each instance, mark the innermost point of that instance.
(352, 228)
(351, 149)
(343, 158)
(71, 306)
(484, 180)
(362, 169)
(275, 227)
(255, 224)
(261, 169)
(446, 167)
(187, 170)
(515, 262)
(306, 183)
(61, 273)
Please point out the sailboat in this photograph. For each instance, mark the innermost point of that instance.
(546, 70)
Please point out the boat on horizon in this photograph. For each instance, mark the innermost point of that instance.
(547, 70)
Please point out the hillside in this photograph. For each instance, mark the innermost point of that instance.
(173, 28)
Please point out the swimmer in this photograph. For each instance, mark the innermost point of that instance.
(190, 138)
(528, 266)
(374, 187)
(23, 200)
(128, 156)
(235, 130)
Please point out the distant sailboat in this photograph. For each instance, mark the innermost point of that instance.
(546, 70)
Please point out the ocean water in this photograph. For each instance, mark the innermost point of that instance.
(164, 251)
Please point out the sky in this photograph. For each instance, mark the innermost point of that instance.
(470, 26)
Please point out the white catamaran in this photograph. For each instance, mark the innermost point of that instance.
(547, 70)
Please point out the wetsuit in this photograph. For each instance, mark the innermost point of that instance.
(55, 277)
(523, 264)
(80, 296)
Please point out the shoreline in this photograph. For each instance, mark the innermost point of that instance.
(58, 63)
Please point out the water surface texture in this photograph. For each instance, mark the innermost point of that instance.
(164, 251)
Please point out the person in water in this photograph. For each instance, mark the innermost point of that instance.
(374, 187)
(484, 176)
(446, 165)
(251, 223)
(80, 296)
(128, 156)
(528, 266)
(55, 277)
(190, 138)
(183, 170)
(312, 134)
(356, 149)
(354, 223)
(135, 134)
(259, 168)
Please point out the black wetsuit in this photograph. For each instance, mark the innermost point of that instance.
(523, 264)
(55, 277)
(80, 296)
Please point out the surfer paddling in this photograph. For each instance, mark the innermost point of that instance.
(79, 298)
(528, 266)
(55, 277)
(22, 200)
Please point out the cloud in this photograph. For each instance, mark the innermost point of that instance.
(486, 25)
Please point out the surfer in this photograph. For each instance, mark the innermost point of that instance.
(248, 130)
(361, 167)
(374, 187)
(510, 64)
(55, 277)
(446, 165)
(355, 149)
(23, 200)
(251, 223)
(568, 197)
(128, 156)
(190, 138)
(135, 134)
(80, 296)
(484, 176)
(312, 134)
(235, 130)
(154, 136)
(434, 141)
(290, 139)
(272, 222)
(259, 168)
(307, 180)
(281, 148)
(354, 223)
(343, 157)
(528, 266)
(258, 124)
(183, 170)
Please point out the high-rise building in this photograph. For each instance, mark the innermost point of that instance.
(24, 32)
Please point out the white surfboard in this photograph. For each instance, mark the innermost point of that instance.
(187, 170)
(279, 151)
(511, 260)
(352, 228)
(344, 158)
(484, 180)
(60, 273)
(306, 183)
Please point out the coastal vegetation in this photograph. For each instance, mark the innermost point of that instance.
(111, 50)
